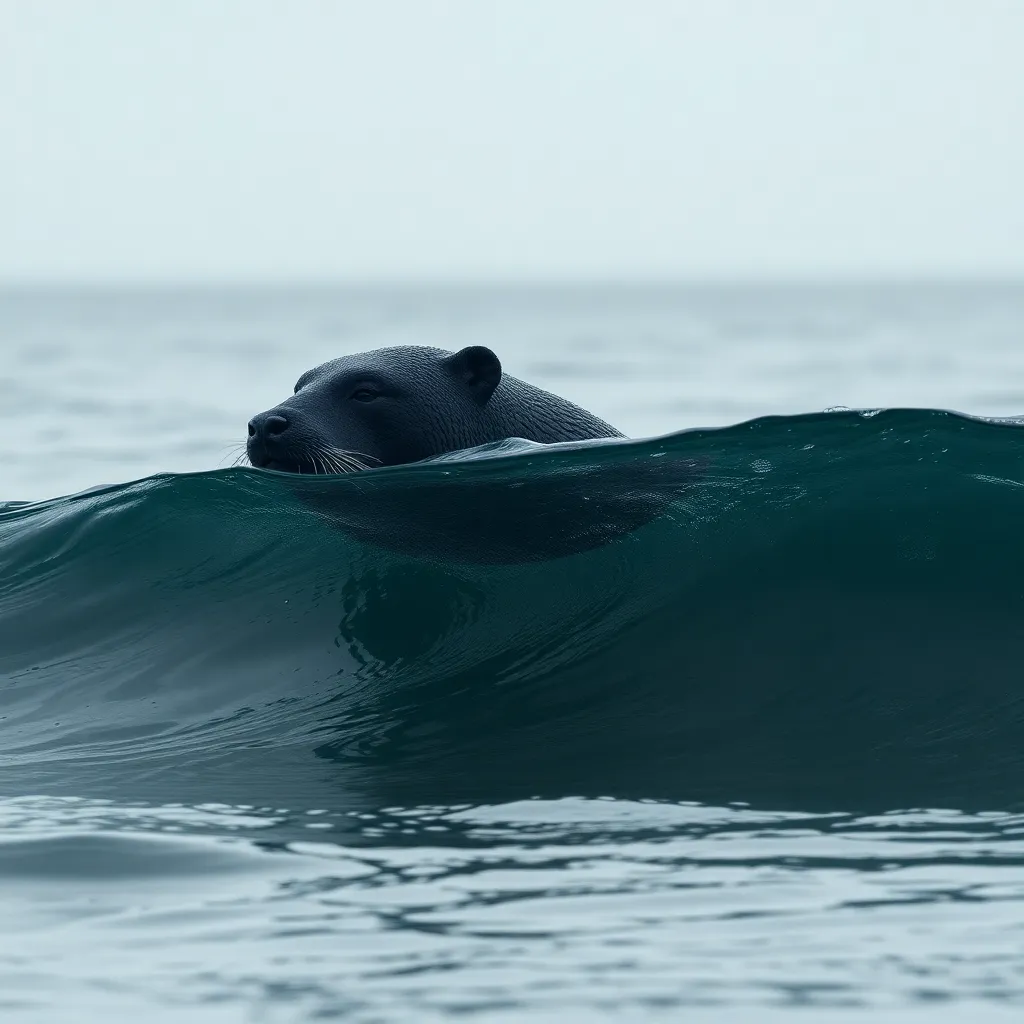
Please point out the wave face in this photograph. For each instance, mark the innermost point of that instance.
(811, 611)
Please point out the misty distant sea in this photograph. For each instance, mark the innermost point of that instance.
(104, 386)
(253, 769)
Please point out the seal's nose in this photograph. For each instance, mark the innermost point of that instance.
(267, 425)
(268, 438)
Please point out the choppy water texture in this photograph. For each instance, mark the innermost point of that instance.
(724, 724)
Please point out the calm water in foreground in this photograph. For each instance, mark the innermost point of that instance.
(223, 856)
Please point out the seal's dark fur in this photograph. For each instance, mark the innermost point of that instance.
(399, 405)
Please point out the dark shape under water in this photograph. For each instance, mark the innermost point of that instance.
(821, 611)
(531, 510)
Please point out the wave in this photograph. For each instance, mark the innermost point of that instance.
(821, 611)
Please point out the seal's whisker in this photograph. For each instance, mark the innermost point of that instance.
(330, 462)
(333, 460)
(372, 458)
(234, 451)
(351, 459)
(328, 457)
(311, 454)
(327, 460)
(364, 459)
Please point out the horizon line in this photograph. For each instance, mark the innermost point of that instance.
(504, 282)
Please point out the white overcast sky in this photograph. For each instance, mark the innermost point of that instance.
(225, 139)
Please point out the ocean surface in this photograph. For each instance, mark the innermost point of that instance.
(721, 723)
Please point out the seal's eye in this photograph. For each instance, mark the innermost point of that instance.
(365, 393)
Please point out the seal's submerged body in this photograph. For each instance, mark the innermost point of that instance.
(404, 404)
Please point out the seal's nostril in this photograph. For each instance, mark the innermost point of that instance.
(267, 426)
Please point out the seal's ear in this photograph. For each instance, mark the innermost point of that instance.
(479, 369)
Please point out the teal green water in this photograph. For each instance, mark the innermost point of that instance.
(723, 724)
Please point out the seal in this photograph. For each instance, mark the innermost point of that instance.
(404, 404)
(396, 406)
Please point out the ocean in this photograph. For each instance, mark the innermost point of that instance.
(720, 723)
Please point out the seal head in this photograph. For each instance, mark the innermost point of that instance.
(403, 404)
